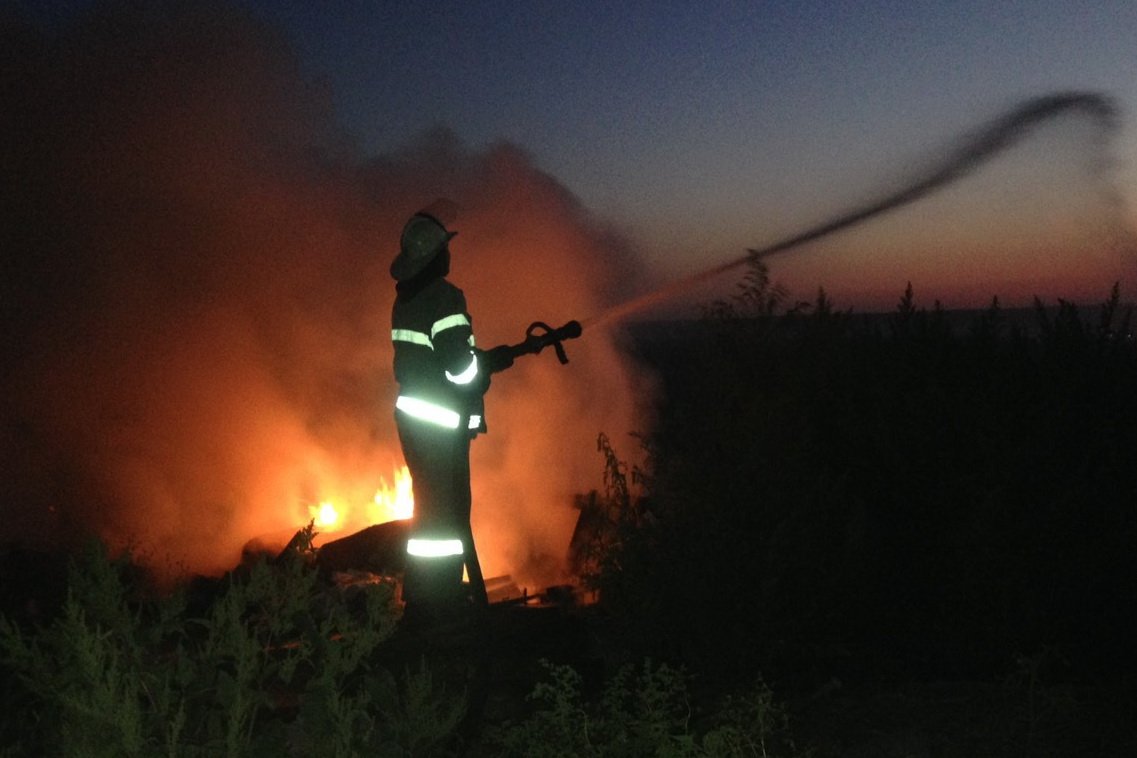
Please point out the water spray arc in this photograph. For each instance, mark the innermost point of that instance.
(974, 150)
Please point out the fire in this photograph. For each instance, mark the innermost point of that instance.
(392, 501)
(326, 515)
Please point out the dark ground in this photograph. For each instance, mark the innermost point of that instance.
(918, 526)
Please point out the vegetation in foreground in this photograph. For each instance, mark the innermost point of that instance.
(857, 506)
(277, 661)
(852, 538)
(269, 661)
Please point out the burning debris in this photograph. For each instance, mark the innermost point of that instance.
(379, 549)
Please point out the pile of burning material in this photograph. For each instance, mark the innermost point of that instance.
(501, 589)
(378, 553)
(379, 549)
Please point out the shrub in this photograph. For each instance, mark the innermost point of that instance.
(275, 663)
(641, 712)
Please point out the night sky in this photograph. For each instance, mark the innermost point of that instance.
(701, 129)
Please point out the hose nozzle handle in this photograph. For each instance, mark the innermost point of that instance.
(540, 335)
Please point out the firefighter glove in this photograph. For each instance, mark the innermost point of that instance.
(497, 359)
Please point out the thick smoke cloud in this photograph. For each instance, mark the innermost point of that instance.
(196, 301)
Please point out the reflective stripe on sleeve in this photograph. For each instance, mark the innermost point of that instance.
(410, 335)
(426, 411)
(466, 375)
(458, 319)
(434, 548)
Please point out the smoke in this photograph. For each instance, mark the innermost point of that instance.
(196, 304)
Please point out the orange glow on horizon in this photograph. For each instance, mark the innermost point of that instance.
(871, 272)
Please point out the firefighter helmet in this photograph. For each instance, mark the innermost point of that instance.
(423, 238)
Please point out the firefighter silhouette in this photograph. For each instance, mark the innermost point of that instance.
(442, 377)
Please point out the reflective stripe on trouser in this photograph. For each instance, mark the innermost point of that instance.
(433, 575)
(439, 461)
(422, 547)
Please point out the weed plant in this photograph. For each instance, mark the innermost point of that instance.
(831, 494)
(275, 662)
(644, 711)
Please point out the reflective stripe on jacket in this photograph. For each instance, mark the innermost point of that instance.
(435, 362)
(433, 413)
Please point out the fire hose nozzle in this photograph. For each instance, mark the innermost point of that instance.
(540, 335)
(570, 331)
(550, 336)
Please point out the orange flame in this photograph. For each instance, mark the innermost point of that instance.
(326, 515)
(392, 501)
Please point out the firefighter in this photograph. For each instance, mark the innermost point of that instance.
(441, 378)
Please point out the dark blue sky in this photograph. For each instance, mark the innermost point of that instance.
(704, 128)
(707, 127)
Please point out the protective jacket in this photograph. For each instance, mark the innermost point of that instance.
(436, 365)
